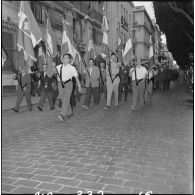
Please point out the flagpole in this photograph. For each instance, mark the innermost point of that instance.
(12, 66)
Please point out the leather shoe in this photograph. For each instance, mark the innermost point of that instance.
(40, 109)
(15, 110)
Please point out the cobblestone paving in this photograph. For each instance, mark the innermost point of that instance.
(117, 151)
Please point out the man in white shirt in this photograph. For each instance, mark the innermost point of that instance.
(138, 75)
(65, 73)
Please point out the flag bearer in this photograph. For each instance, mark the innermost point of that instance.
(66, 72)
(24, 89)
(138, 75)
(112, 80)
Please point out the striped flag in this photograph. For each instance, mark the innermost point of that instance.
(3, 58)
(128, 52)
(105, 49)
(67, 40)
(29, 34)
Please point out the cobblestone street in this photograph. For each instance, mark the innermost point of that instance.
(117, 151)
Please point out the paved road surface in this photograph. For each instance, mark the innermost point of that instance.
(117, 151)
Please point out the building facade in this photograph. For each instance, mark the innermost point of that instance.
(72, 11)
(157, 41)
(119, 15)
(142, 30)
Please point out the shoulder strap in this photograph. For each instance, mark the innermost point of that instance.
(136, 77)
(61, 73)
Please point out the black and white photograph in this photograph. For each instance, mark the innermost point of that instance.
(97, 97)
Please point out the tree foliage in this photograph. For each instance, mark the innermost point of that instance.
(175, 20)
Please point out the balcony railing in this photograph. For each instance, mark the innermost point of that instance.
(84, 8)
(124, 23)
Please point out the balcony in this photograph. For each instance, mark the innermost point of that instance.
(84, 9)
(124, 24)
(135, 23)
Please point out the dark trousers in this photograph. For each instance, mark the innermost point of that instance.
(55, 95)
(103, 89)
(167, 83)
(121, 86)
(20, 96)
(92, 90)
(49, 96)
(35, 89)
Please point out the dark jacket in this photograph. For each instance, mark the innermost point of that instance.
(124, 74)
(46, 82)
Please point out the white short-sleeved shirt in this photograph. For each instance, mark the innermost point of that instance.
(141, 72)
(68, 72)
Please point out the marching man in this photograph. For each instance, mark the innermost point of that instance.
(66, 72)
(112, 80)
(138, 75)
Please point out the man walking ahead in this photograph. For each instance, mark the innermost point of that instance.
(112, 80)
(24, 89)
(92, 76)
(138, 75)
(66, 72)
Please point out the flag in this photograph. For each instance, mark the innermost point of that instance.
(67, 40)
(50, 39)
(90, 48)
(41, 56)
(119, 50)
(51, 47)
(29, 34)
(3, 58)
(105, 48)
(151, 52)
(128, 52)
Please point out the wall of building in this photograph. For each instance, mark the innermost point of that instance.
(115, 10)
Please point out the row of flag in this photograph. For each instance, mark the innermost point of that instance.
(29, 36)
